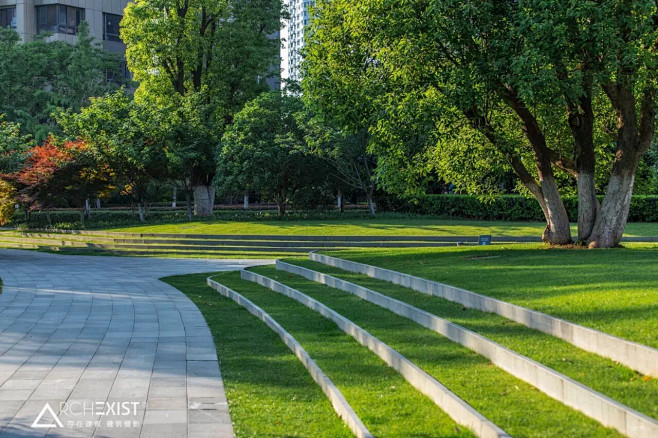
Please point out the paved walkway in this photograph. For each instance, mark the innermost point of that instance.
(110, 349)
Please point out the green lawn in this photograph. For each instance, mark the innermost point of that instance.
(260, 393)
(613, 290)
(601, 374)
(270, 393)
(515, 406)
(377, 227)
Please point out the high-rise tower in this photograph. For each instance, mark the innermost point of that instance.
(292, 36)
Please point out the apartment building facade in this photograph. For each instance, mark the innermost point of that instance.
(62, 17)
(292, 36)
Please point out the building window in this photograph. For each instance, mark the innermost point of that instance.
(8, 17)
(111, 27)
(59, 19)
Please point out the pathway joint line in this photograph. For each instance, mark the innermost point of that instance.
(592, 403)
(86, 334)
(338, 401)
(634, 355)
(449, 402)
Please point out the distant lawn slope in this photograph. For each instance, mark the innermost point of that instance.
(387, 226)
(613, 290)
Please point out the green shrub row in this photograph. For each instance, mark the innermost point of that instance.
(70, 219)
(505, 207)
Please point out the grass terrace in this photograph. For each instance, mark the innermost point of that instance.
(271, 394)
(601, 374)
(388, 225)
(613, 290)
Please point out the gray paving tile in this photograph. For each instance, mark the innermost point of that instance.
(166, 417)
(164, 431)
(87, 329)
(210, 431)
(163, 404)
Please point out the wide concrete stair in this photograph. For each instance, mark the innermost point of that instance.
(566, 390)
(211, 245)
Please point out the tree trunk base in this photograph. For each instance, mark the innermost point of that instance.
(557, 237)
(611, 219)
(204, 201)
(142, 215)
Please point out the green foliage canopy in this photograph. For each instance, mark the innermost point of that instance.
(13, 146)
(39, 76)
(263, 150)
(202, 59)
(560, 92)
(126, 136)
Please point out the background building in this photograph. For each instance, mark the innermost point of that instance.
(62, 17)
(292, 36)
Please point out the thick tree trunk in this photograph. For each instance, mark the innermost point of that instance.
(588, 205)
(557, 231)
(204, 200)
(371, 204)
(87, 208)
(140, 210)
(174, 197)
(98, 203)
(611, 219)
(581, 121)
(613, 214)
(188, 204)
(281, 207)
(634, 137)
(340, 202)
(245, 201)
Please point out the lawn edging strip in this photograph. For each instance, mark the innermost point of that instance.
(450, 403)
(338, 401)
(600, 407)
(634, 355)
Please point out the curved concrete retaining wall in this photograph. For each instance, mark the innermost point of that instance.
(636, 356)
(600, 407)
(341, 406)
(455, 407)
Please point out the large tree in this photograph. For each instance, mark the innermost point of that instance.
(216, 54)
(39, 76)
(338, 83)
(127, 138)
(549, 87)
(352, 166)
(42, 182)
(264, 151)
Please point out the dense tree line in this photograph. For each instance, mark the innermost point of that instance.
(550, 99)
(561, 93)
(39, 76)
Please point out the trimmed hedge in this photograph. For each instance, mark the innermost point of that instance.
(506, 207)
(106, 218)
